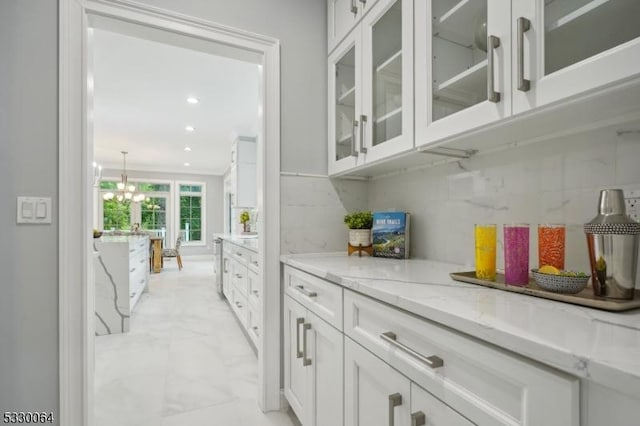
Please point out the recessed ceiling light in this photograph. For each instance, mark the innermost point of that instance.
(192, 100)
(187, 164)
(189, 128)
(187, 149)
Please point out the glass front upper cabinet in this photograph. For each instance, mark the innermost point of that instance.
(575, 30)
(459, 59)
(386, 48)
(345, 105)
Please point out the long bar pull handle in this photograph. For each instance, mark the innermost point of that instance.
(363, 121)
(224, 265)
(305, 359)
(492, 95)
(523, 26)
(431, 361)
(299, 321)
(354, 151)
(306, 292)
(354, 8)
(418, 419)
(394, 400)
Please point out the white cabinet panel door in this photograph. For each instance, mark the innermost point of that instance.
(375, 394)
(295, 388)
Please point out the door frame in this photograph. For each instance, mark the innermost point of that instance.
(75, 193)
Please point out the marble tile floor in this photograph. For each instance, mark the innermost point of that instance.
(185, 361)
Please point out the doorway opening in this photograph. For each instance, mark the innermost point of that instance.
(77, 215)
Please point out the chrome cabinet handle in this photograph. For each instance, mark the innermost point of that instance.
(364, 2)
(306, 292)
(363, 120)
(255, 262)
(143, 260)
(224, 265)
(492, 95)
(305, 360)
(394, 400)
(431, 361)
(238, 276)
(354, 8)
(255, 292)
(238, 253)
(132, 269)
(299, 321)
(418, 419)
(239, 305)
(354, 152)
(523, 26)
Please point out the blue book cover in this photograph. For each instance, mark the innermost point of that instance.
(391, 235)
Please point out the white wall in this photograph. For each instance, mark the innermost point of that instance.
(556, 181)
(213, 209)
(301, 27)
(28, 166)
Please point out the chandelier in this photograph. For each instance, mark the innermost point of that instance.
(126, 192)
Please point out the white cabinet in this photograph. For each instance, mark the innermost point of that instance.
(242, 286)
(371, 88)
(479, 62)
(375, 394)
(463, 66)
(313, 349)
(242, 181)
(342, 17)
(571, 47)
(313, 366)
(121, 276)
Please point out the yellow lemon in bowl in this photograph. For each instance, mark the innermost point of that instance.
(548, 269)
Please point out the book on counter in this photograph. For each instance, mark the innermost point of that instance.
(390, 235)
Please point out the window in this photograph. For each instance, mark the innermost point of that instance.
(191, 212)
(116, 216)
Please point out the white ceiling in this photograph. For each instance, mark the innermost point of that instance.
(140, 92)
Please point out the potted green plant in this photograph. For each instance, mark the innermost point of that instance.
(244, 220)
(359, 224)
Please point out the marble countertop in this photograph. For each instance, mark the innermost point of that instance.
(121, 238)
(250, 243)
(596, 345)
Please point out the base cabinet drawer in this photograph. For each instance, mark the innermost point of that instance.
(254, 327)
(319, 296)
(482, 382)
(429, 410)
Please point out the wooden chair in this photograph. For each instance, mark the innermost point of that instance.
(174, 252)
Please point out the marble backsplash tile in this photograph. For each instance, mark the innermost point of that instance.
(311, 212)
(555, 181)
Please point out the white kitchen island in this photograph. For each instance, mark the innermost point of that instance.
(482, 354)
(121, 276)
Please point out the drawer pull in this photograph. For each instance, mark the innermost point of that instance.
(306, 292)
(238, 276)
(255, 292)
(305, 360)
(418, 419)
(299, 321)
(238, 253)
(394, 400)
(239, 305)
(431, 361)
(132, 269)
(255, 262)
(143, 260)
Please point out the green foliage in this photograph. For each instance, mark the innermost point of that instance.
(244, 217)
(117, 215)
(190, 216)
(359, 220)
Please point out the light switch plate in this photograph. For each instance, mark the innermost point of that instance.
(33, 210)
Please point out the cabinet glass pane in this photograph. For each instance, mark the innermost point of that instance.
(575, 30)
(345, 103)
(387, 75)
(459, 43)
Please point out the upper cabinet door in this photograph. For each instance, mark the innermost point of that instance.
(564, 48)
(463, 66)
(342, 17)
(387, 80)
(344, 105)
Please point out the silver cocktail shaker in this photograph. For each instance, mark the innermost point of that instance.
(612, 239)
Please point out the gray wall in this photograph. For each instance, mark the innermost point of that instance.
(214, 197)
(301, 27)
(28, 166)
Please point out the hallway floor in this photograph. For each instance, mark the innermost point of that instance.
(185, 361)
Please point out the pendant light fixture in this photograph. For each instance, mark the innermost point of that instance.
(126, 191)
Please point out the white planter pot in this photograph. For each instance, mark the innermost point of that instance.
(360, 236)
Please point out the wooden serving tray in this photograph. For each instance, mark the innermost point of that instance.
(584, 298)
